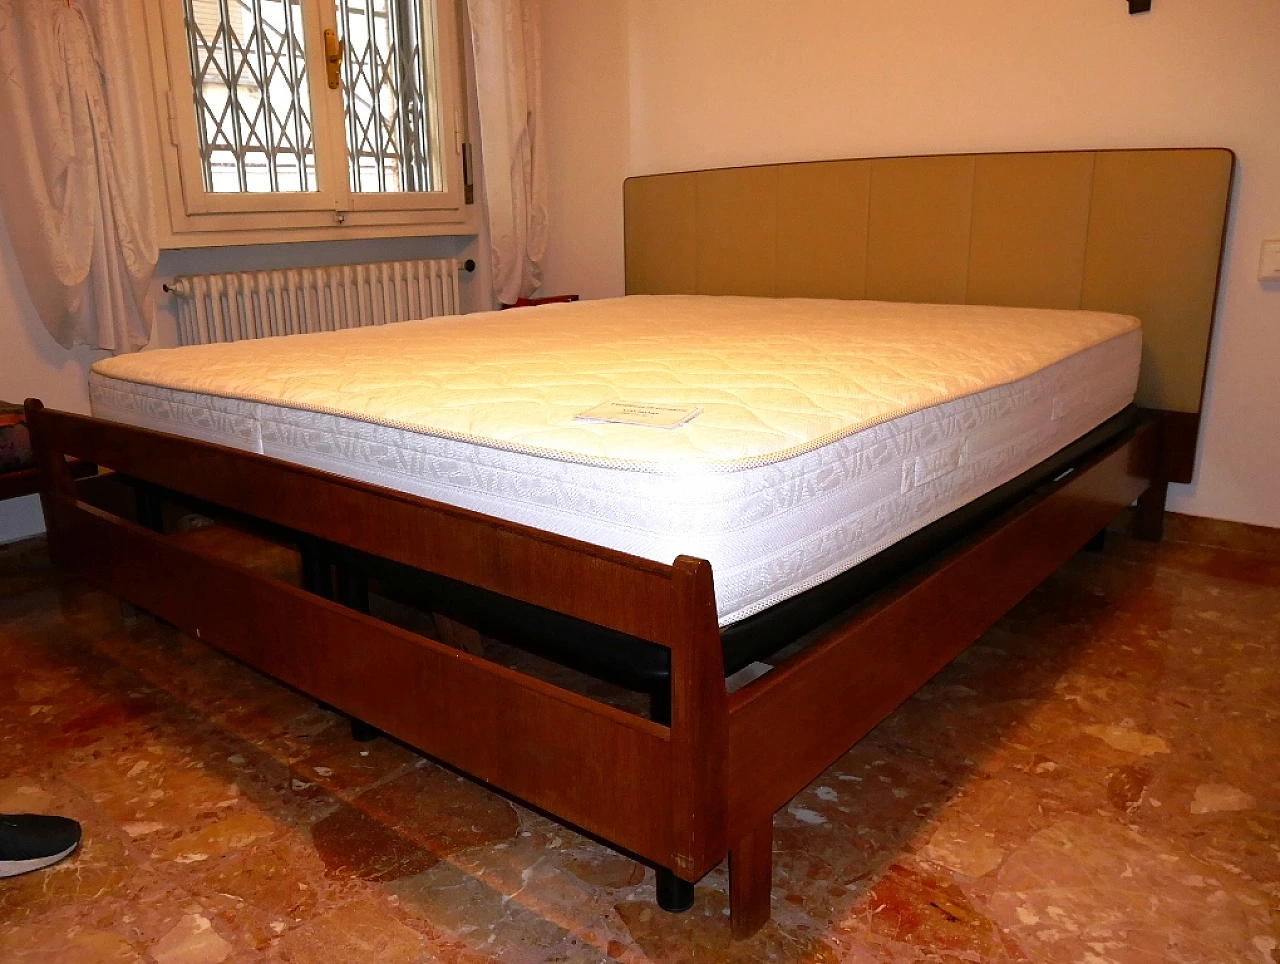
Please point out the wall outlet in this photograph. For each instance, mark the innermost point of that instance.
(1269, 266)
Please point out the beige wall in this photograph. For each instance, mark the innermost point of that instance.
(584, 44)
(711, 83)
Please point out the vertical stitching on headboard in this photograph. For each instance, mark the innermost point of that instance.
(866, 235)
(697, 230)
(777, 221)
(968, 256)
(1088, 225)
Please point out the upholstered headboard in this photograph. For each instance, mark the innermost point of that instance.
(1138, 231)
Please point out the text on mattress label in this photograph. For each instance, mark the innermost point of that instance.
(635, 413)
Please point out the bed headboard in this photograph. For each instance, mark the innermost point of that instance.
(1139, 232)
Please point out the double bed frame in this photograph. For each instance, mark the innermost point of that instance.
(1133, 231)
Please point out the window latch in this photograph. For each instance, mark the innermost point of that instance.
(333, 48)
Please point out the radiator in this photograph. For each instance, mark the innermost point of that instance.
(262, 304)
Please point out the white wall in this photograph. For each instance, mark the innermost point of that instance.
(32, 365)
(756, 81)
(585, 85)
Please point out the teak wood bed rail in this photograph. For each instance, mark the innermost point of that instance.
(682, 797)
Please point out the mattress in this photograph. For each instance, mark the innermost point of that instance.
(818, 432)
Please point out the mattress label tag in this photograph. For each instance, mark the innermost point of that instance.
(635, 413)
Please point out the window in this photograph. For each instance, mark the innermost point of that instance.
(389, 138)
(311, 113)
(249, 88)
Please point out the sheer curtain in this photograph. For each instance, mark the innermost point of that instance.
(505, 45)
(74, 180)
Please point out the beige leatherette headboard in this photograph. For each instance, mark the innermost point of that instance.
(1139, 232)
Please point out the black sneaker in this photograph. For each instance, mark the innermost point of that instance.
(30, 841)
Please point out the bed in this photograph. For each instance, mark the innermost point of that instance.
(729, 572)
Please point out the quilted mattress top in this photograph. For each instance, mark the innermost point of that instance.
(772, 378)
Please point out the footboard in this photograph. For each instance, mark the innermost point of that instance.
(653, 790)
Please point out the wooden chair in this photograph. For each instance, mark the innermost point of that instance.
(18, 474)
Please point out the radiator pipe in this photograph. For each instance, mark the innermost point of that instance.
(180, 287)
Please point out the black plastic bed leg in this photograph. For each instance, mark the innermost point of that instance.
(1098, 543)
(363, 732)
(675, 896)
(1148, 521)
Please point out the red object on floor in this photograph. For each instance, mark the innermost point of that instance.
(550, 300)
(15, 443)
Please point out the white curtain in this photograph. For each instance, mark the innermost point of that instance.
(74, 181)
(505, 44)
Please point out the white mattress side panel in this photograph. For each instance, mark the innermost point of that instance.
(769, 531)
(223, 421)
(961, 454)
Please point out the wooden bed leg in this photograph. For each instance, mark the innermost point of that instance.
(699, 722)
(1148, 521)
(149, 512)
(317, 578)
(351, 589)
(675, 896)
(750, 881)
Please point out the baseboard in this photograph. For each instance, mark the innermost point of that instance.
(1216, 533)
(1240, 536)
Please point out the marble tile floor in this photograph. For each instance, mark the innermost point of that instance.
(1094, 781)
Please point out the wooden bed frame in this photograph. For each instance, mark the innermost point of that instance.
(681, 797)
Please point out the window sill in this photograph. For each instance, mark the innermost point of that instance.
(210, 231)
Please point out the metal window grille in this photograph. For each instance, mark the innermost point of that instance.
(248, 70)
(385, 67)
